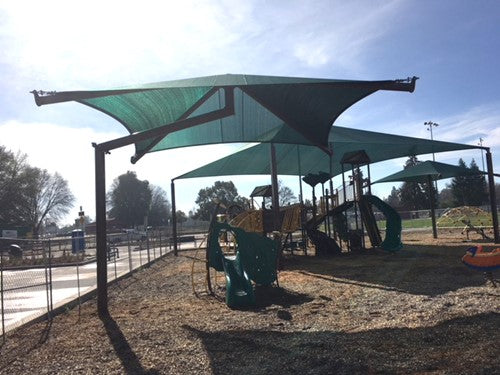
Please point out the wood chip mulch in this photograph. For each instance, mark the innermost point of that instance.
(419, 311)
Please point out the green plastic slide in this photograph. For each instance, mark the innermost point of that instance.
(392, 241)
(239, 288)
(255, 260)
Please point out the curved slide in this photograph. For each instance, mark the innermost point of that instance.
(239, 288)
(255, 260)
(392, 241)
(324, 244)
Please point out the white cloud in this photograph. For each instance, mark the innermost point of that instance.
(97, 44)
(337, 33)
(68, 151)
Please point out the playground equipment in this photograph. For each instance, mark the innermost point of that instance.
(475, 220)
(392, 241)
(478, 259)
(324, 244)
(243, 257)
(350, 219)
(251, 257)
(261, 221)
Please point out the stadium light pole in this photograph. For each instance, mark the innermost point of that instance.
(430, 125)
(482, 156)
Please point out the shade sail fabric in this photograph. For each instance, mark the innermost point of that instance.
(421, 172)
(299, 160)
(266, 108)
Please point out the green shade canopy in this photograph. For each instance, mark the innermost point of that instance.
(299, 160)
(421, 172)
(262, 108)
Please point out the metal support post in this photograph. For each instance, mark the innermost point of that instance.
(100, 204)
(275, 188)
(433, 212)
(174, 217)
(493, 199)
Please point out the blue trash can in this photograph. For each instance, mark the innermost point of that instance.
(77, 241)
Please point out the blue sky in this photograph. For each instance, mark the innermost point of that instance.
(452, 45)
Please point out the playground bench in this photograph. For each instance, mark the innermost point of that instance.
(112, 252)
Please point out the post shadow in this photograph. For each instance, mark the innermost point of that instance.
(129, 360)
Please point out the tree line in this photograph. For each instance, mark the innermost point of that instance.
(470, 190)
(132, 201)
(30, 196)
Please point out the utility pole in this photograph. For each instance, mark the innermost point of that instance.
(482, 156)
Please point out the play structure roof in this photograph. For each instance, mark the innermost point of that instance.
(262, 191)
(299, 160)
(421, 172)
(259, 108)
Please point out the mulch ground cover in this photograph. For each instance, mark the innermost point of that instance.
(418, 311)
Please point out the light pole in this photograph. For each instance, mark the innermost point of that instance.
(482, 157)
(430, 125)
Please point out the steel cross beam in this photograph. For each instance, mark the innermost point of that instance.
(100, 182)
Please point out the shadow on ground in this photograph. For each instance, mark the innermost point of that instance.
(24, 344)
(129, 360)
(271, 295)
(388, 350)
(417, 269)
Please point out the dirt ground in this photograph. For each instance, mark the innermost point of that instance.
(419, 311)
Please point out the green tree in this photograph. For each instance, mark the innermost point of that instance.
(130, 199)
(160, 210)
(14, 181)
(446, 197)
(393, 199)
(459, 187)
(413, 195)
(478, 189)
(181, 217)
(221, 191)
(469, 190)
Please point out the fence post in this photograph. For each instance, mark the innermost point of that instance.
(160, 243)
(78, 285)
(2, 300)
(115, 257)
(154, 245)
(50, 276)
(46, 280)
(129, 252)
(147, 245)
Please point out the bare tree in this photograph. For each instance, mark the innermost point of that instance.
(285, 194)
(49, 197)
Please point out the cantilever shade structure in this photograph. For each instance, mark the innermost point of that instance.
(299, 160)
(243, 108)
(426, 172)
(215, 109)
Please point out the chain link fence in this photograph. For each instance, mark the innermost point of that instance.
(39, 276)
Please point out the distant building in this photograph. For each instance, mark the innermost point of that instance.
(112, 226)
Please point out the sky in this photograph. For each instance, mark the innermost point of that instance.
(453, 46)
